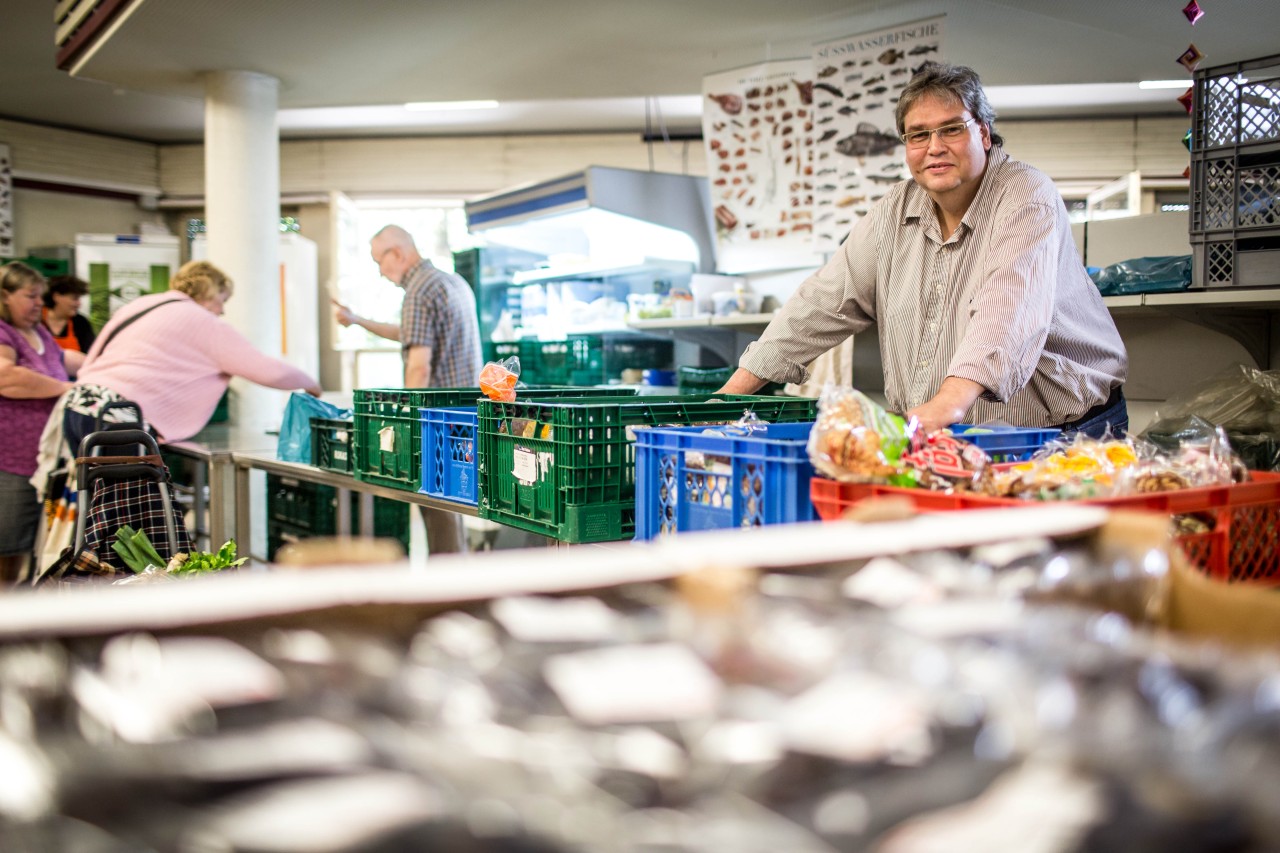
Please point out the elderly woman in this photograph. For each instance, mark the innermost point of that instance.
(32, 377)
(172, 355)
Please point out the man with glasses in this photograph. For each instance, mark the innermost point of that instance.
(439, 337)
(970, 274)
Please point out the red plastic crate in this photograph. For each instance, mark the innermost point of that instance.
(1244, 544)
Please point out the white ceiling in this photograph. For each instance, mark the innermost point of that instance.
(578, 65)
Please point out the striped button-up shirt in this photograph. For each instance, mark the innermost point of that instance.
(440, 312)
(1004, 301)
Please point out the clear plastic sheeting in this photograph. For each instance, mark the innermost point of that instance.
(1244, 401)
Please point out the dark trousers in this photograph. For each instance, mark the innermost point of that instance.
(1112, 414)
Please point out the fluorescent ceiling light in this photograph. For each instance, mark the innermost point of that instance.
(448, 106)
(1164, 84)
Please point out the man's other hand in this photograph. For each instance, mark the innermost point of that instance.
(344, 315)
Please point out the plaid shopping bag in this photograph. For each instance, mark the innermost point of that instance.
(136, 503)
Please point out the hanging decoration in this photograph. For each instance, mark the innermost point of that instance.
(1186, 139)
(1193, 12)
(1190, 58)
(1187, 98)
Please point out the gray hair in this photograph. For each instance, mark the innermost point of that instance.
(948, 83)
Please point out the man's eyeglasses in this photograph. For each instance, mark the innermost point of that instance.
(947, 133)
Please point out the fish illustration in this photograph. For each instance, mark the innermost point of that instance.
(847, 110)
(848, 63)
(877, 105)
(827, 188)
(827, 134)
(878, 90)
(922, 49)
(868, 140)
(828, 71)
(865, 62)
(871, 81)
(853, 77)
(827, 87)
(855, 96)
(883, 179)
(826, 120)
(822, 105)
(891, 167)
(890, 56)
(895, 72)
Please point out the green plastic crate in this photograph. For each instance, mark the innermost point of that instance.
(331, 444)
(298, 509)
(388, 428)
(599, 360)
(47, 267)
(695, 380)
(566, 469)
(388, 432)
(499, 350)
(545, 362)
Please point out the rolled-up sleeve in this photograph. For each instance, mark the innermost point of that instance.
(835, 302)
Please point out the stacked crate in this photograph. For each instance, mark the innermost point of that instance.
(1235, 175)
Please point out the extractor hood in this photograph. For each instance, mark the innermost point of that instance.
(604, 215)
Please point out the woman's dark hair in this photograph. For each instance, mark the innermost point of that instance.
(948, 83)
(64, 284)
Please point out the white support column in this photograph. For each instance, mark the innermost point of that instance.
(242, 212)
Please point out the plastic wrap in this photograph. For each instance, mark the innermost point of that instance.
(498, 379)
(294, 444)
(1145, 275)
(857, 441)
(1243, 400)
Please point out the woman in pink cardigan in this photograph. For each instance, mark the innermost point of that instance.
(172, 355)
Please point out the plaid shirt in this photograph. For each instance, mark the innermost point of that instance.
(440, 313)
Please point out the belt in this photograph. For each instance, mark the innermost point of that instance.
(1116, 396)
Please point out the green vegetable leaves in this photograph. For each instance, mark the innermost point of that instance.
(138, 554)
(136, 550)
(201, 562)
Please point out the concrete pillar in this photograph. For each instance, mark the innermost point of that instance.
(242, 212)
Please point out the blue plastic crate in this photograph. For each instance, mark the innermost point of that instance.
(1006, 443)
(450, 453)
(688, 478)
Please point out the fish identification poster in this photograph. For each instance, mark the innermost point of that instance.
(856, 154)
(757, 123)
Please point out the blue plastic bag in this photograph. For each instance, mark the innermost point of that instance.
(295, 429)
(1145, 275)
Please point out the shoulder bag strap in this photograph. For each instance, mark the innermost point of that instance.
(118, 329)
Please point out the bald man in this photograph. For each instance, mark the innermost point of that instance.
(439, 339)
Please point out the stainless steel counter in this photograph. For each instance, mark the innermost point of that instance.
(212, 450)
(248, 460)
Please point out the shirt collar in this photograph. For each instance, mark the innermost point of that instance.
(920, 206)
(416, 273)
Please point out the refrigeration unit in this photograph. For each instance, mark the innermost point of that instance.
(593, 240)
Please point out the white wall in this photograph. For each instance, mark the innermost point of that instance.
(68, 157)
(43, 218)
(450, 166)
